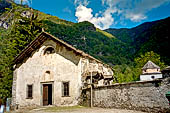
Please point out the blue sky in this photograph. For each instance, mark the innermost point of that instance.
(105, 13)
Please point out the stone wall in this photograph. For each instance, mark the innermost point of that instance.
(144, 96)
(14, 89)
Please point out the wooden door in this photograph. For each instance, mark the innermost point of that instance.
(45, 94)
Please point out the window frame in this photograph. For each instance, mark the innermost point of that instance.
(65, 89)
(27, 92)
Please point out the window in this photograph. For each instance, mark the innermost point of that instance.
(49, 50)
(29, 91)
(65, 89)
(48, 72)
(152, 77)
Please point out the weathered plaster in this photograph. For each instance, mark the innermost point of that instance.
(150, 71)
(149, 77)
(65, 65)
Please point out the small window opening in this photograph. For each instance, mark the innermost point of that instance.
(48, 72)
(152, 77)
(65, 89)
(49, 50)
(29, 91)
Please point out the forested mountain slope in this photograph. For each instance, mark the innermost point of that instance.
(149, 36)
(86, 37)
(83, 36)
(120, 48)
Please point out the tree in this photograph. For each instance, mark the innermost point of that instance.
(154, 57)
(21, 33)
(125, 73)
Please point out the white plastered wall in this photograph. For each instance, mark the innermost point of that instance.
(64, 65)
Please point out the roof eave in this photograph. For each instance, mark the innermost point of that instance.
(43, 35)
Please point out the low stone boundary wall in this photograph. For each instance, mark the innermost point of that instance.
(146, 96)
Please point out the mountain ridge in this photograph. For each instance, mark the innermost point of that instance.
(113, 46)
(139, 36)
(120, 49)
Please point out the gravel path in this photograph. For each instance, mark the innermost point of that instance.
(75, 110)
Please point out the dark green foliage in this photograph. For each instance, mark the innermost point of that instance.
(148, 41)
(5, 67)
(159, 40)
(154, 57)
(12, 42)
(4, 4)
(119, 52)
(150, 36)
(85, 37)
(129, 73)
(126, 73)
(26, 29)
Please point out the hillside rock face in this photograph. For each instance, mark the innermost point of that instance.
(4, 24)
(4, 4)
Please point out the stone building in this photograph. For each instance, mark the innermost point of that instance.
(150, 71)
(51, 72)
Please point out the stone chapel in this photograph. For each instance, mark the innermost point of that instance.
(51, 72)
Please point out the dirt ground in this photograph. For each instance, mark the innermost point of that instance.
(74, 109)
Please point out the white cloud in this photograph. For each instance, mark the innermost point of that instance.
(135, 17)
(134, 10)
(83, 13)
(81, 2)
(67, 10)
(103, 1)
(29, 2)
(86, 2)
(103, 22)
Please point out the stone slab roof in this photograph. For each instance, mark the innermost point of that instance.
(150, 65)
